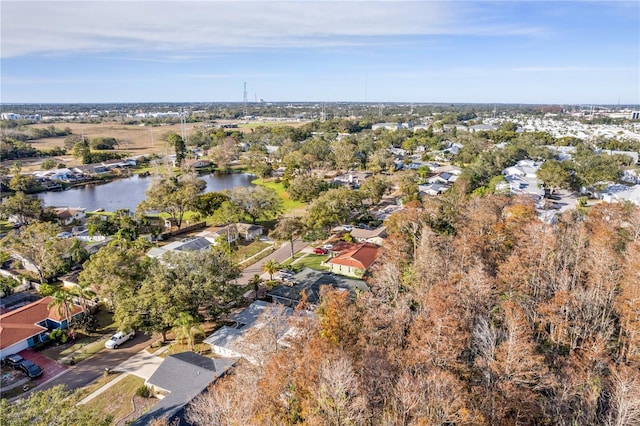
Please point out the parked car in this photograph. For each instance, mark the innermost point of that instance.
(347, 228)
(283, 274)
(118, 339)
(30, 368)
(328, 246)
(13, 360)
(320, 250)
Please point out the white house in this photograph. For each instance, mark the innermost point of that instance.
(186, 245)
(24, 327)
(230, 341)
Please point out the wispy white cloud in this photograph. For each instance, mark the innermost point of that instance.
(573, 69)
(48, 27)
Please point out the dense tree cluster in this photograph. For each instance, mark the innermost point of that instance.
(495, 318)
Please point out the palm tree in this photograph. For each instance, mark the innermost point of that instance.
(255, 282)
(271, 267)
(187, 327)
(83, 293)
(63, 301)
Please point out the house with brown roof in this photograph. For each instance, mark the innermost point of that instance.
(67, 215)
(373, 236)
(353, 260)
(24, 327)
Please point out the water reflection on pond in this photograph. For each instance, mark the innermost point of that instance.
(127, 193)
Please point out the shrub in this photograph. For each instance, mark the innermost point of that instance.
(143, 391)
(59, 336)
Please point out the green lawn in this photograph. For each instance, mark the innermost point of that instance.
(85, 345)
(289, 204)
(312, 261)
(246, 251)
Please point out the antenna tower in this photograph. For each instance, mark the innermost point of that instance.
(244, 101)
(183, 124)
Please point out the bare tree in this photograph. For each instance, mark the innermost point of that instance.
(625, 397)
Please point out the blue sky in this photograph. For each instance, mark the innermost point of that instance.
(571, 52)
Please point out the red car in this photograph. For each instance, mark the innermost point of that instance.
(320, 250)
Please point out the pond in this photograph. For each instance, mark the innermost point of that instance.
(127, 193)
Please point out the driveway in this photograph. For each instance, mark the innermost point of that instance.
(280, 255)
(87, 371)
(143, 364)
(50, 368)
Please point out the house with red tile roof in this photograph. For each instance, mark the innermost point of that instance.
(24, 327)
(353, 260)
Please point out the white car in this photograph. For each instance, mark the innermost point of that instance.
(118, 339)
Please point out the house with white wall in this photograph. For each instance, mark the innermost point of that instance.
(22, 328)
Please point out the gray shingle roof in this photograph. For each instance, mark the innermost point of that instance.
(310, 281)
(184, 376)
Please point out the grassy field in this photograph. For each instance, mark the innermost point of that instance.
(133, 140)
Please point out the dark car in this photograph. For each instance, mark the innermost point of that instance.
(30, 369)
(13, 360)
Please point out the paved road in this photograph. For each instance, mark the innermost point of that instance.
(280, 255)
(90, 369)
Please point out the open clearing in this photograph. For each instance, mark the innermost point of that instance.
(134, 139)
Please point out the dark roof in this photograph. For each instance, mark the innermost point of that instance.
(184, 376)
(311, 281)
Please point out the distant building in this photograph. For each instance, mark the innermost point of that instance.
(66, 215)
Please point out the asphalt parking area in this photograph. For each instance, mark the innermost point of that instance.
(50, 368)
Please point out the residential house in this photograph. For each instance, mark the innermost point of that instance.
(197, 164)
(230, 342)
(354, 260)
(387, 126)
(66, 215)
(184, 245)
(452, 170)
(24, 327)
(249, 232)
(432, 189)
(443, 177)
(621, 193)
(373, 236)
(182, 376)
(352, 177)
(309, 282)
(522, 179)
(215, 233)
